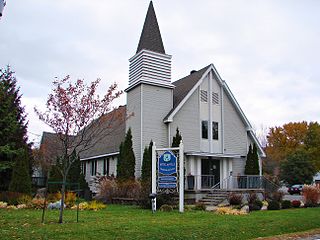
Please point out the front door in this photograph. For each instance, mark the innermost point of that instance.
(210, 172)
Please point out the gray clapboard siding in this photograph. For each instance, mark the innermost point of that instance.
(238, 165)
(235, 135)
(188, 122)
(134, 110)
(157, 102)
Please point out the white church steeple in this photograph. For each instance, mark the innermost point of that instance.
(150, 64)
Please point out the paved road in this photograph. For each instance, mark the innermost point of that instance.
(314, 237)
(292, 197)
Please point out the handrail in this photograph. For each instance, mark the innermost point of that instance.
(219, 183)
(245, 182)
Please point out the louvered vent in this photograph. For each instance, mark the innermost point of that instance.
(203, 96)
(215, 98)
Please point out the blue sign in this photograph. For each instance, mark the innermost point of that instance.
(167, 170)
(167, 185)
(167, 164)
(167, 179)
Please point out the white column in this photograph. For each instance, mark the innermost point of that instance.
(198, 173)
(221, 173)
(192, 169)
(260, 166)
(153, 172)
(225, 170)
(181, 177)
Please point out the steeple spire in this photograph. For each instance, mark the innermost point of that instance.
(150, 65)
(150, 38)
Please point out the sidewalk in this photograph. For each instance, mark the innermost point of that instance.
(308, 235)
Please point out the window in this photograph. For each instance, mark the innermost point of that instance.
(106, 166)
(204, 96)
(215, 130)
(84, 168)
(204, 127)
(93, 167)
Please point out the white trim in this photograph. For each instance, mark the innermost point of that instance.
(170, 117)
(141, 127)
(255, 139)
(210, 110)
(217, 155)
(222, 118)
(169, 134)
(230, 95)
(152, 53)
(169, 149)
(100, 156)
(148, 82)
(236, 104)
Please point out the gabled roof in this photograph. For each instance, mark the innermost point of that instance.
(186, 86)
(150, 38)
(106, 142)
(50, 147)
(114, 130)
(183, 87)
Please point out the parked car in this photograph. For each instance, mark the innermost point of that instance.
(297, 188)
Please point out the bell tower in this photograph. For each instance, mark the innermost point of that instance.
(150, 92)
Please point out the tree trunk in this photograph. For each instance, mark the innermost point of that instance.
(64, 177)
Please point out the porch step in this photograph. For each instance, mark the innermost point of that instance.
(215, 197)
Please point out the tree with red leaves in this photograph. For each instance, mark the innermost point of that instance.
(79, 118)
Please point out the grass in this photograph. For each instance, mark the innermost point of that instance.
(127, 222)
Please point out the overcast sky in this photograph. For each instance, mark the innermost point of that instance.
(267, 51)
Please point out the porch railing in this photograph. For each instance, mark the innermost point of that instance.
(39, 181)
(246, 182)
(199, 182)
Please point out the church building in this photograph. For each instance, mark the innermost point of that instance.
(215, 131)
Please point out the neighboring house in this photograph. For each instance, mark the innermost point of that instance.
(214, 129)
(316, 179)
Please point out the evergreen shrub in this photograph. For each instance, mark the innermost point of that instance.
(274, 205)
(285, 204)
(252, 197)
(256, 205)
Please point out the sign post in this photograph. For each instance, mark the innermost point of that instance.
(168, 172)
(154, 175)
(181, 178)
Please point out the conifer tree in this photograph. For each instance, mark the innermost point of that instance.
(176, 139)
(146, 164)
(252, 163)
(248, 167)
(13, 129)
(255, 160)
(21, 181)
(126, 161)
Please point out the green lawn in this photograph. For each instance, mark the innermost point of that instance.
(125, 222)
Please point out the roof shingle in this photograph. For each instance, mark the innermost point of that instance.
(150, 38)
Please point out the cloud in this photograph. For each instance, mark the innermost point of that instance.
(267, 51)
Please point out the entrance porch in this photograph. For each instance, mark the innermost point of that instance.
(204, 172)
